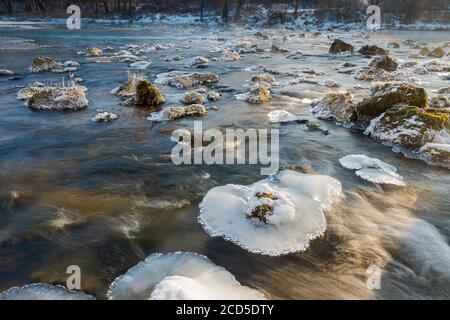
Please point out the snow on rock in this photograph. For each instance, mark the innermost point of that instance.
(276, 216)
(42, 291)
(179, 276)
(372, 169)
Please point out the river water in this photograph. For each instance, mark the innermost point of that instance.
(105, 196)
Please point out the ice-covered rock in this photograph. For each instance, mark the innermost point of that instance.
(408, 126)
(43, 64)
(184, 81)
(277, 116)
(94, 52)
(105, 116)
(331, 84)
(179, 276)
(174, 113)
(259, 93)
(372, 169)
(213, 96)
(276, 216)
(43, 291)
(336, 106)
(437, 53)
(61, 98)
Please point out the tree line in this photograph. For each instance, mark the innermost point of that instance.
(228, 9)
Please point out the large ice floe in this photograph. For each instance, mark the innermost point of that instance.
(275, 216)
(42, 291)
(179, 276)
(280, 116)
(372, 169)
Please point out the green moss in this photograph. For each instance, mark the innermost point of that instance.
(147, 94)
(386, 96)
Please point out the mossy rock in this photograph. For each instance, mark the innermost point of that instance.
(388, 95)
(259, 93)
(409, 126)
(436, 153)
(147, 94)
(339, 46)
(194, 79)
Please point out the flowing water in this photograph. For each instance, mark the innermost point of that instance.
(105, 196)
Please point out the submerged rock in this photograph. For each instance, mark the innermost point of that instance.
(386, 96)
(43, 64)
(193, 97)
(336, 106)
(409, 126)
(339, 46)
(385, 62)
(259, 93)
(63, 98)
(184, 81)
(372, 50)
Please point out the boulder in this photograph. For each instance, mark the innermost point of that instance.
(386, 96)
(372, 50)
(147, 95)
(409, 126)
(385, 62)
(339, 107)
(198, 60)
(174, 113)
(264, 77)
(339, 46)
(105, 117)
